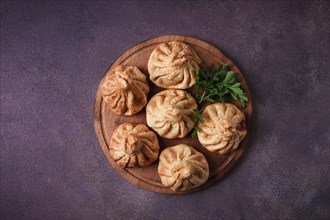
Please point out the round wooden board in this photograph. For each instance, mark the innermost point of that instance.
(105, 121)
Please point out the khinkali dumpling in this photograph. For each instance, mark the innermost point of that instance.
(171, 113)
(182, 168)
(134, 145)
(223, 128)
(125, 89)
(172, 65)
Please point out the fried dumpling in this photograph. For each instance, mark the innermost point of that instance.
(125, 89)
(134, 145)
(171, 113)
(223, 128)
(182, 168)
(172, 65)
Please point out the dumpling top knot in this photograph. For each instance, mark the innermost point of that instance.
(132, 145)
(172, 65)
(125, 90)
(124, 79)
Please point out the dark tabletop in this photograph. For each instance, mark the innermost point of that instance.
(53, 55)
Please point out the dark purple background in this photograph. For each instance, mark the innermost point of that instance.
(53, 55)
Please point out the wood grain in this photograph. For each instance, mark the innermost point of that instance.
(105, 121)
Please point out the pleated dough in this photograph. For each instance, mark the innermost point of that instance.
(170, 113)
(223, 128)
(182, 168)
(172, 65)
(125, 89)
(134, 145)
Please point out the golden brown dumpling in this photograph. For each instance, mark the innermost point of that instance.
(134, 145)
(223, 128)
(125, 89)
(172, 65)
(182, 168)
(171, 113)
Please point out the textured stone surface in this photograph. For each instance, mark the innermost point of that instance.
(53, 55)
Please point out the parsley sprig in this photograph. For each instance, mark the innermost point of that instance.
(216, 85)
(198, 118)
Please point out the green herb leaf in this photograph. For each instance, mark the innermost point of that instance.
(218, 85)
(194, 133)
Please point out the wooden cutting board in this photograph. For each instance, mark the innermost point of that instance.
(105, 121)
